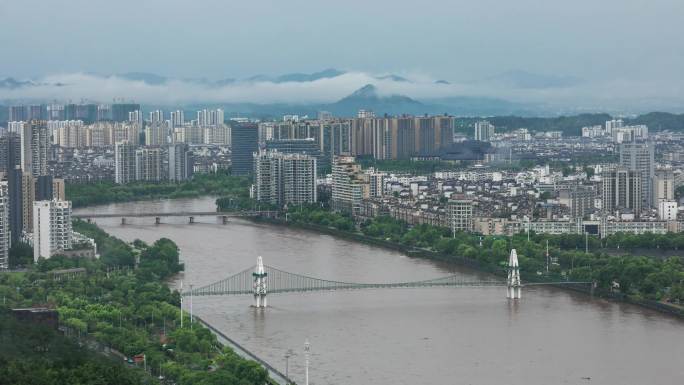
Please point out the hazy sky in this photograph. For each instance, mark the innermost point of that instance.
(451, 39)
(631, 49)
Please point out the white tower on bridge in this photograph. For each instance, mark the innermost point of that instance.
(259, 284)
(514, 287)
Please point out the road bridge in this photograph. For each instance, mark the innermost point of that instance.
(191, 215)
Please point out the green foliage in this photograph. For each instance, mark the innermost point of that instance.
(87, 194)
(36, 354)
(20, 254)
(316, 215)
(131, 310)
(642, 277)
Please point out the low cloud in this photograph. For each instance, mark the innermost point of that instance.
(614, 94)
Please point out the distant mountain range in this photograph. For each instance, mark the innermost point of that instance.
(372, 96)
(369, 98)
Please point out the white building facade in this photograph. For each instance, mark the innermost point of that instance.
(52, 230)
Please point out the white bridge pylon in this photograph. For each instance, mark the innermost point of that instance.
(260, 287)
(513, 284)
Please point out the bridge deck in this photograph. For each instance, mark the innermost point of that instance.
(176, 214)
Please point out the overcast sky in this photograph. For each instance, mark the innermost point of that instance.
(451, 39)
(635, 45)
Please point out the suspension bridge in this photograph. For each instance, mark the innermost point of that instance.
(260, 280)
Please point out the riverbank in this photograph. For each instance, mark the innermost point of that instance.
(122, 301)
(410, 251)
(274, 374)
(233, 187)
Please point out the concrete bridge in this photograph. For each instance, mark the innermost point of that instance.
(191, 215)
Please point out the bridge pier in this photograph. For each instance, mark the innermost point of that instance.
(259, 284)
(157, 220)
(123, 220)
(192, 220)
(513, 285)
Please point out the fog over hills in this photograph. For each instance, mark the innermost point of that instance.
(344, 92)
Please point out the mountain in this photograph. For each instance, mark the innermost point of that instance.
(367, 98)
(392, 77)
(528, 80)
(11, 83)
(302, 77)
(145, 77)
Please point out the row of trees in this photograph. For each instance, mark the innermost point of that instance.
(202, 184)
(123, 302)
(36, 354)
(637, 276)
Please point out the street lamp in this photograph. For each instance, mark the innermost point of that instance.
(307, 350)
(288, 354)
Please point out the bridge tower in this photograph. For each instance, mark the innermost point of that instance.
(514, 287)
(259, 284)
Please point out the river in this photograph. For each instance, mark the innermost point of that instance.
(406, 336)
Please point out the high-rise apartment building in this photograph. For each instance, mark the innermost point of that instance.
(35, 144)
(28, 191)
(297, 146)
(17, 114)
(376, 182)
(218, 134)
(156, 133)
(350, 185)
(148, 164)
(68, 133)
(4, 226)
(157, 116)
(284, 179)
(58, 189)
(52, 230)
(245, 137)
(483, 131)
(177, 118)
(180, 162)
(663, 186)
(10, 152)
(136, 117)
(622, 190)
(124, 162)
(207, 117)
(121, 111)
(640, 157)
(44, 185)
(16, 202)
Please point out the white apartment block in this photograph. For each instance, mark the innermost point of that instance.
(350, 185)
(667, 210)
(124, 162)
(52, 231)
(483, 131)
